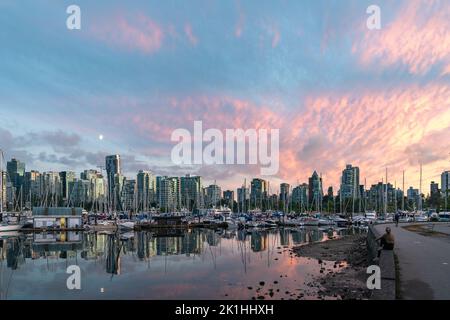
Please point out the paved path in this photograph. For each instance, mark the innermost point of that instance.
(424, 262)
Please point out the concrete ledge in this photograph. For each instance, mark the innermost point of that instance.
(387, 266)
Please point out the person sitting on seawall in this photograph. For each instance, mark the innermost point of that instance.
(386, 241)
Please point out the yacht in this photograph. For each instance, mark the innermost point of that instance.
(126, 225)
(6, 227)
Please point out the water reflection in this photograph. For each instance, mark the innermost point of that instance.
(174, 257)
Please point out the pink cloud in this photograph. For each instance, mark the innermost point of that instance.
(139, 33)
(190, 34)
(415, 41)
(397, 128)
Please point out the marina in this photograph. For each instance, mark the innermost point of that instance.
(187, 264)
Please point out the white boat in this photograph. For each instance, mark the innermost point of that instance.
(341, 222)
(308, 221)
(126, 225)
(9, 234)
(326, 222)
(371, 215)
(5, 227)
(232, 224)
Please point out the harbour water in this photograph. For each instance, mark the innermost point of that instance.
(194, 264)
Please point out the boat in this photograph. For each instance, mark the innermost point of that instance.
(6, 227)
(371, 215)
(232, 224)
(326, 222)
(309, 221)
(341, 222)
(126, 225)
(267, 224)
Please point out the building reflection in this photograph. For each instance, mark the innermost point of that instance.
(110, 250)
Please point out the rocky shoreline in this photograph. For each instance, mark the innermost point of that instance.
(348, 255)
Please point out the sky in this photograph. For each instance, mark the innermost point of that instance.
(137, 70)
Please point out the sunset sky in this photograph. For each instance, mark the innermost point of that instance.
(137, 70)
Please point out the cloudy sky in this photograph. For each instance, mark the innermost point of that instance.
(137, 70)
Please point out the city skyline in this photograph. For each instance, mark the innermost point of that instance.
(350, 180)
(339, 93)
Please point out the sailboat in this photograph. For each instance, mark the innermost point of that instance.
(5, 226)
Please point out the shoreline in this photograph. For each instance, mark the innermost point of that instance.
(350, 254)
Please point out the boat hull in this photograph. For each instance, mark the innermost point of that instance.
(10, 227)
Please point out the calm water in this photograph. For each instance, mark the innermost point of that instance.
(200, 264)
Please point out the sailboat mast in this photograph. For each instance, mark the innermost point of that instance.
(386, 194)
(420, 192)
(403, 198)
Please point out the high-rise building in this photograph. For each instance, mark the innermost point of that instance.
(3, 200)
(66, 177)
(434, 189)
(79, 192)
(169, 193)
(315, 191)
(96, 184)
(413, 196)
(32, 188)
(228, 196)
(113, 169)
(243, 196)
(350, 183)
(128, 199)
(445, 183)
(258, 192)
(284, 192)
(300, 197)
(213, 195)
(16, 173)
(146, 189)
(191, 192)
(50, 188)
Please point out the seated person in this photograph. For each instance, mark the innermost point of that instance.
(386, 241)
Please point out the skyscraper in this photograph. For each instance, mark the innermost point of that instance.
(16, 172)
(243, 196)
(434, 189)
(228, 196)
(284, 195)
(213, 194)
(113, 168)
(169, 193)
(146, 188)
(300, 197)
(350, 183)
(66, 177)
(258, 192)
(32, 188)
(315, 192)
(191, 192)
(445, 183)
